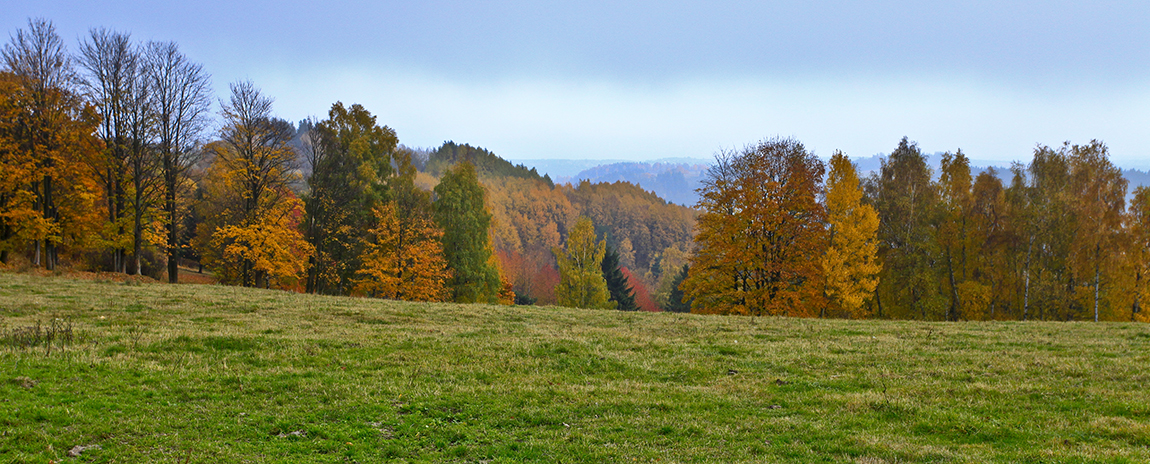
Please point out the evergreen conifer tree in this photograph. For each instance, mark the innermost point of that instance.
(678, 304)
(621, 293)
(461, 213)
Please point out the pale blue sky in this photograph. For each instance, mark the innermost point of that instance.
(644, 80)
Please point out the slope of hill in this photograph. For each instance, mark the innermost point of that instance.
(194, 373)
(532, 215)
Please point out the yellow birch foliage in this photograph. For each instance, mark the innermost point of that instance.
(1139, 256)
(404, 260)
(581, 282)
(851, 263)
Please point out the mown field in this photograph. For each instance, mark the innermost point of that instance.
(206, 374)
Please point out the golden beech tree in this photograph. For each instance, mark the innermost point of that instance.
(50, 148)
(251, 217)
(270, 247)
(761, 234)
(404, 260)
(851, 263)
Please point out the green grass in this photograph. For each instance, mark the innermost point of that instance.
(163, 373)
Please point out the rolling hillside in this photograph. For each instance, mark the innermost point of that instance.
(195, 373)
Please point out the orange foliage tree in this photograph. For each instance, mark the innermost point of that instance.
(49, 190)
(404, 260)
(761, 234)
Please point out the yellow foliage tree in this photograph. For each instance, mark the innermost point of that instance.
(270, 247)
(581, 283)
(250, 233)
(49, 191)
(851, 263)
(404, 260)
(1139, 256)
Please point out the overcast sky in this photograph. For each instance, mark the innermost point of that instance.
(645, 80)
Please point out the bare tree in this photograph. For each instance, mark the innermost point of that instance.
(41, 65)
(111, 65)
(180, 95)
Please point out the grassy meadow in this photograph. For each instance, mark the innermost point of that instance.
(206, 374)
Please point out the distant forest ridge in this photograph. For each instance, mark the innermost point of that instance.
(677, 179)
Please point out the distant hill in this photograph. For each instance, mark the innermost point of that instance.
(486, 162)
(673, 179)
(674, 182)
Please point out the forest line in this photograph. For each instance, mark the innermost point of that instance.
(110, 162)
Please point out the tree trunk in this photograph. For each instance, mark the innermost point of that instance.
(1136, 308)
(173, 242)
(952, 313)
(1026, 275)
(121, 253)
(50, 215)
(1097, 274)
(137, 238)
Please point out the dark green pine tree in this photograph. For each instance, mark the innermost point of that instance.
(677, 305)
(621, 293)
(459, 210)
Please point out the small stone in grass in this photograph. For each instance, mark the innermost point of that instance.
(79, 449)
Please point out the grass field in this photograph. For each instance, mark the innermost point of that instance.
(205, 374)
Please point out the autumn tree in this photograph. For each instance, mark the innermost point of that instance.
(906, 201)
(1099, 193)
(254, 215)
(51, 146)
(180, 92)
(643, 299)
(351, 160)
(996, 264)
(404, 259)
(404, 255)
(666, 271)
(622, 294)
(459, 210)
(581, 282)
(17, 211)
(1139, 224)
(954, 237)
(1043, 215)
(761, 234)
(850, 263)
(112, 63)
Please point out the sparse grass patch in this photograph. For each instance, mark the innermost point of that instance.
(193, 373)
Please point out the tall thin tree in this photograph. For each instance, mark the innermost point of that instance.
(110, 63)
(181, 99)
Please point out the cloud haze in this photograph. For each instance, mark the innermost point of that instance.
(641, 80)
